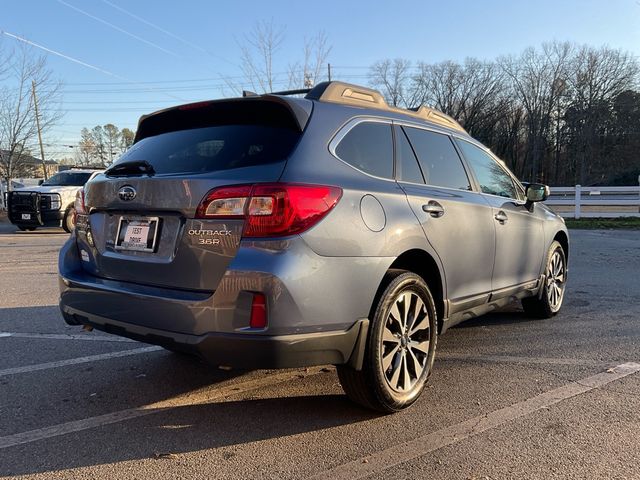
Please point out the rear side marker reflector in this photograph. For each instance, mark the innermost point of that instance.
(258, 311)
(270, 209)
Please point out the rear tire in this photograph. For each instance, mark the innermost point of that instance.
(549, 302)
(69, 220)
(400, 347)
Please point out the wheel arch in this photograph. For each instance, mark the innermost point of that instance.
(563, 239)
(421, 263)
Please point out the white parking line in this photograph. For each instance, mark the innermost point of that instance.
(380, 461)
(76, 361)
(585, 362)
(63, 336)
(192, 398)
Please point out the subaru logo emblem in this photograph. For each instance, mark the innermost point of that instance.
(127, 193)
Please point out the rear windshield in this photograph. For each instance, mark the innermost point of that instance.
(68, 179)
(215, 148)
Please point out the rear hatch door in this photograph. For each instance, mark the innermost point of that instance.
(142, 210)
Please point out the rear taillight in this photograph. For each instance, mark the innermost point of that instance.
(79, 202)
(224, 202)
(78, 205)
(270, 209)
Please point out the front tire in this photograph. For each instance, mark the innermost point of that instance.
(549, 302)
(400, 348)
(69, 220)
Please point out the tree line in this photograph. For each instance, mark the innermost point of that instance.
(558, 114)
(100, 145)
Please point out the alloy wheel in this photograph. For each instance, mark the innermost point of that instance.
(405, 342)
(556, 277)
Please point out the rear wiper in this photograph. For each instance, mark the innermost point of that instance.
(132, 168)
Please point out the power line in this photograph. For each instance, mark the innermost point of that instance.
(106, 110)
(75, 60)
(121, 30)
(62, 55)
(161, 89)
(133, 102)
(166, 32)
(186, 80)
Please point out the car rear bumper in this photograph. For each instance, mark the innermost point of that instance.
(241, 350)
(303, 329)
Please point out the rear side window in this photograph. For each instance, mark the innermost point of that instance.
(439, 160)
(215, 148)
(492, 177)
(407, 168)
(368, 147)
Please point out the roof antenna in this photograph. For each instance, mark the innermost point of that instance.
(249, 93)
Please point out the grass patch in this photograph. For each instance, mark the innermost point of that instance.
(629, 223)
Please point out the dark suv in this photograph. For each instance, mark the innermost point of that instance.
(274, 231)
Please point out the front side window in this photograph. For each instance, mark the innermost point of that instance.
(493, 179)
(440, 163)
(369, 147)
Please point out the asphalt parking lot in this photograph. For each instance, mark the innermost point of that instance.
(510, 397)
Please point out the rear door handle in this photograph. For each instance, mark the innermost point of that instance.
(501, 217)
(434, 209)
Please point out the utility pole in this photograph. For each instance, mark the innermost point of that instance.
(35, 104)
(329, 71)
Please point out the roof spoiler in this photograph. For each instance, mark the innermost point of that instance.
(289, 112)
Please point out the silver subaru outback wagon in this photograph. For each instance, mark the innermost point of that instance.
(273, 231)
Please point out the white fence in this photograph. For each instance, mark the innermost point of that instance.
(592, 202)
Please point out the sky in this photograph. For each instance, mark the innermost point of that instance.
(151, 54)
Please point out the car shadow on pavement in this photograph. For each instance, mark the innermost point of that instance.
(36, 232)
(168, 435)
(67, 393)
(508, 315)
(7, 228)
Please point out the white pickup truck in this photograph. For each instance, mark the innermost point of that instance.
(50, 204)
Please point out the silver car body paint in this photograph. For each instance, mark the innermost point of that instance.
(319, 285)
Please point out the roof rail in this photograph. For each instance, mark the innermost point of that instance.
(300, 91)
(292, 92)
(346, 93)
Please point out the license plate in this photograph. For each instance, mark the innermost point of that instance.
(137, 234)
(26, 216)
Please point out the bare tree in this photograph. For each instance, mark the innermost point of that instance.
(392, 77)
(86, 148)
(100, 151)
(17, 113)
(111, 141)
(597, 76)
(257, 51)
(537, 78)
(126, 139)
(559, 113)
(310, 71)
(470, 92)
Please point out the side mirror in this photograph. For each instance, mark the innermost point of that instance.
(536, 192)
(40, 182)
